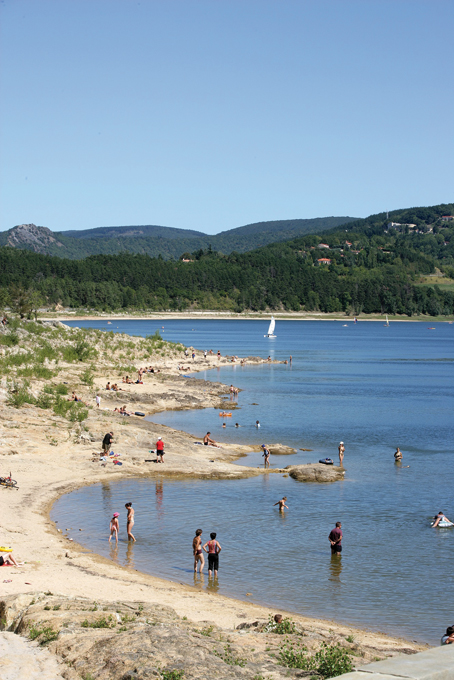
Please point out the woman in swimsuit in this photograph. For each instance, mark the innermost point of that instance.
(197, 551)
(130, 521)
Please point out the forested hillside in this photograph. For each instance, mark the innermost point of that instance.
(155, 240)
(373, 269)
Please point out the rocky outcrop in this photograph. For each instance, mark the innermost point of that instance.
(316, 472)
(281, 450)
(140, 641)
(32, 237)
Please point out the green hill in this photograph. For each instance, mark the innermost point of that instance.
(368, 267)
(156, 240)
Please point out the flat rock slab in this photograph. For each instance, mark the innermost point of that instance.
(21, 659)
(316, 472)
(281, 450)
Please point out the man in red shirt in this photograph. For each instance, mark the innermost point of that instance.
(160, 450)
(335, 538)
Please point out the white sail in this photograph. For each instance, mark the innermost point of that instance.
(270, 333)
(387, 322)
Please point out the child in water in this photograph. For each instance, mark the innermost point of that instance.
(114, 527)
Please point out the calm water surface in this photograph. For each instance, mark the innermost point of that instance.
(371, 386)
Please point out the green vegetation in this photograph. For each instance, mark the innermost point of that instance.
(370, 268)
(45, 633)
(229, 657)
(165, 242)
(286, 626)
(329, 661)
(171, 675)
(102, 622)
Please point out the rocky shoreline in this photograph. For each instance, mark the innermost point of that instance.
(49, 454)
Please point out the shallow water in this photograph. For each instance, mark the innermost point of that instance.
(372, 387)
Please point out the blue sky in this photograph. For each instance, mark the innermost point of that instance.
(211, 114)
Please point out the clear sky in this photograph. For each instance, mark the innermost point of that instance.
(211, 114)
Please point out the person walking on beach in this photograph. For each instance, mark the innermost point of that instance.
(107, 442)
(335, 538)
(98, 401)
(114, 527)
(341, 449)
(159, 450)
(130, 522)
(197, 551)
(281, 504)
(398, 455)
(213, 555)
(266, 455)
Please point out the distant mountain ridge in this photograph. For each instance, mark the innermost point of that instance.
(155, 240)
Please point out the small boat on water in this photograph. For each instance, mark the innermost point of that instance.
(326, 461)
(271, 328)
(387, 322)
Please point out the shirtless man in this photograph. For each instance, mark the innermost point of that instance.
(213, 555)
(130, 521)
(197, 551)
(281, 504)
(208, 441)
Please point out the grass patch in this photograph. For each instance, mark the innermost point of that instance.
(229, 657)
(9, 339)
(328, 662)
(102, 622)
(45, 633)
(284, 627)
(18, 395)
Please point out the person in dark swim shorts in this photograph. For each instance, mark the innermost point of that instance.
(213, 555)
(335, 538)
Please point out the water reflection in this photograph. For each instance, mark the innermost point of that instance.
(212, 585)
(113, 552)
(129, 562)
(335, 568)
(159, 491)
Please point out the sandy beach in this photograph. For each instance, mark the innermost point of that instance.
(49, 456)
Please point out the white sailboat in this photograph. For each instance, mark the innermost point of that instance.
(387, 322)
(270, 333)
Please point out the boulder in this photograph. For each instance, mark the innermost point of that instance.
(281, 450)
(316, 472)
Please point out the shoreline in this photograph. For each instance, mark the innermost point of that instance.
(50, 457)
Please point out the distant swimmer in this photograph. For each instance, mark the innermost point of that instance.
(197, 551)
(440, 518)
(257, 424)
(237, 425)
(341, 449)
(281, 504)
(266, 455)
(398, 454)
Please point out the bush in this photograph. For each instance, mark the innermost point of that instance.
(79, 352)
(44, 401)
(285, 627)
(333, 660)
(294, 656)
(61, 389)
(18, 395)
(47, 634)
(102, 622)
(87, 377)
(77, 413)
(9, 339)
(36, 371)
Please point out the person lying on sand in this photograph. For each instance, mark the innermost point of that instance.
(208, 441)
(9, 560)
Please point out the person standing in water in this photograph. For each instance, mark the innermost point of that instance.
(281, 504)
(398, 455)
(257, 424)
(266, 455)
(335, 538)
(213, 554)
(197, 551)
(114, 527)
(130, 521)
(341, 449)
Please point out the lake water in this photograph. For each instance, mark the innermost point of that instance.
(371, 386)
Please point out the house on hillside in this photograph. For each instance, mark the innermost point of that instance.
(348, 244)
(401, 227)
(324, 260)
(323, 245)
(447, 218)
